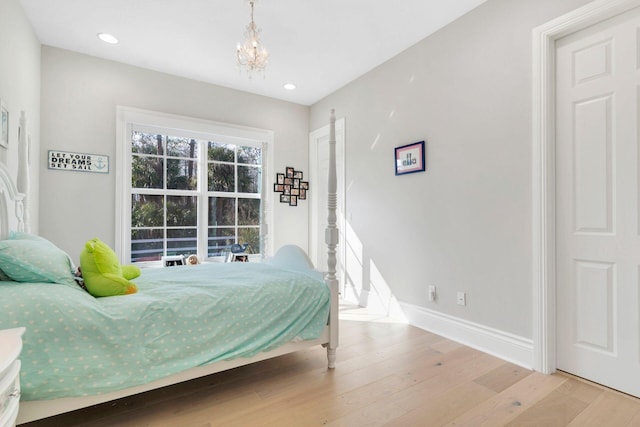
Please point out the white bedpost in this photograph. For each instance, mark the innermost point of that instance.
(23, 169)
(331, 239)
(11, 205)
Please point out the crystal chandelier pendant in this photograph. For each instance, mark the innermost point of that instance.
(251, 55)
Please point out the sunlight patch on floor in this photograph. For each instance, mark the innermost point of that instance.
(353, 312)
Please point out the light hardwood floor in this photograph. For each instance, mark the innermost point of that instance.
(387, 374)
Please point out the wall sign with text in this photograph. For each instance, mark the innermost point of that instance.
(79, 162)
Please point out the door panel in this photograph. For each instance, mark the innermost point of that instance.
(595, 290)
(597, 243)
(593, 168)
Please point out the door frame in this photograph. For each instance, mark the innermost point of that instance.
(543, 178)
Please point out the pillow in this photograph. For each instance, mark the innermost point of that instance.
(292, 257)
(18, 235)
(35, 260)
(21, 235)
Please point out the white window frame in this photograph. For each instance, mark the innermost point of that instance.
(128, 117)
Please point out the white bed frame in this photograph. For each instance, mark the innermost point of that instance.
(12, 217)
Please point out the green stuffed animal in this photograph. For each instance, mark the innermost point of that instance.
(102, 273)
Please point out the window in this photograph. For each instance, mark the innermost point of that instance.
(194, 191)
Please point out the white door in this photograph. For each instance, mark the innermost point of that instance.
(318, 171)
(597, 218)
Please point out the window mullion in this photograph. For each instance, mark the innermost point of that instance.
(235, 194)
(203, 202)
(165, 197)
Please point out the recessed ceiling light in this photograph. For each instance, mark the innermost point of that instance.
(107, 38)
(289, 86)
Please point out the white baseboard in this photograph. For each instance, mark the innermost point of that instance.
(506, 346)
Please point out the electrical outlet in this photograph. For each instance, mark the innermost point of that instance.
(432, 293)
(461, 298)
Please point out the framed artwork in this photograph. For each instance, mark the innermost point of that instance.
(290, 172)
(172, 260)
(4, 123)
(410, 158)
(291, 186)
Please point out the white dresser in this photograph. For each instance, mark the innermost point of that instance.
(10, 348)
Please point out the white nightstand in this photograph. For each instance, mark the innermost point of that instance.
(10, 348)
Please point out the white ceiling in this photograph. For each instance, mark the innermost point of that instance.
(320, 45)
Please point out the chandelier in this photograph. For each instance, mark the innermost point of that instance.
(251, 54)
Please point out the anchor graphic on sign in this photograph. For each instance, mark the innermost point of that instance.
(99, 164)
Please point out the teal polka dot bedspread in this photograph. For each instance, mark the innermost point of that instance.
(181, 317)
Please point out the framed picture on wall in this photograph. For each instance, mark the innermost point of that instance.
(291, 186)
(410, 158)
(290, 171)
(4, 122)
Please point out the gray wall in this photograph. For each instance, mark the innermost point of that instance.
(20, 91)
(464, 224)
(79, 98)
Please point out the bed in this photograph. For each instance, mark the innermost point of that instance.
(185, 321)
